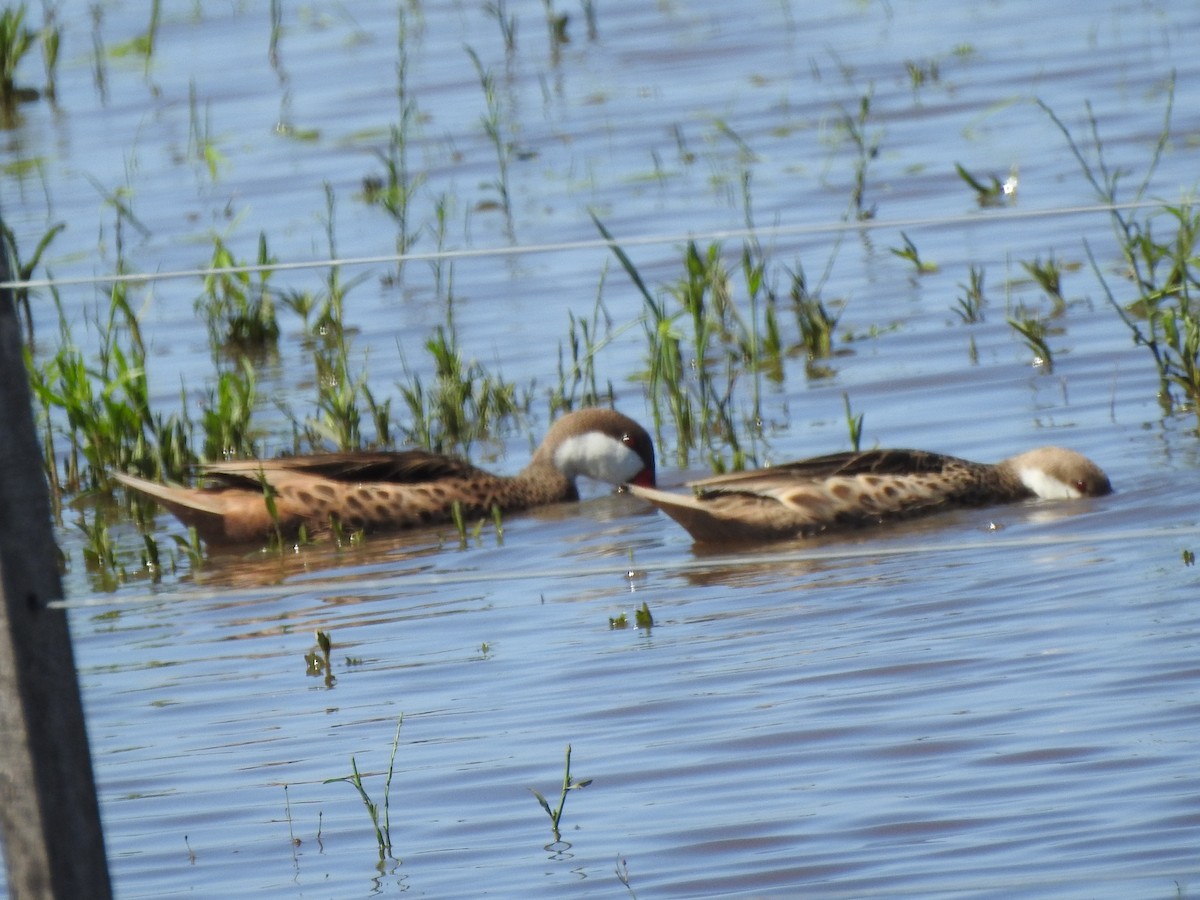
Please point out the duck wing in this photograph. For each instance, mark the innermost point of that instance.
(811, 496)
(818, 468)
(399, 467)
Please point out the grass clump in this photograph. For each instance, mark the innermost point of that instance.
(854, 423)
(909, 252)
(1161, 306)
(464, 404)
(1048, 276)
(16, 40)
(816, 322)
(109, 424)
(1034, 331)
(236, 305)
(989, 190)
(227, 416)
(703, 334)
(22, 270)
(970, 304)
(577, 381)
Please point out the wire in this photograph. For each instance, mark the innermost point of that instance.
(776, 231)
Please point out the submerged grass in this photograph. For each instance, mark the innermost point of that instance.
(237, 306)
(714, 338)
(109, 423)
(465, 403)
(718, 335)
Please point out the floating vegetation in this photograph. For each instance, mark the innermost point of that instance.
(577, 382)
(922, 73)
(1048, 276)
(460, 524)
(498, 10)
(227, 416)
(989, 191)
(99, 553)
(1033, 332)
(202, 146)
(109, 423)
(556, 28)
(910, 253)
(317, 661)
(394, 192)
(969, 306)
(622, 872)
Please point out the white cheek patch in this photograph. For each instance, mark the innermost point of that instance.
(1047, 486)
(597, 456)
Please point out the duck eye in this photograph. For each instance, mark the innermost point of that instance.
(627, 440)
(1081, 486)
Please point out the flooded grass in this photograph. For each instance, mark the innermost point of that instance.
(568, 784)
(380, 813)
(474, 167)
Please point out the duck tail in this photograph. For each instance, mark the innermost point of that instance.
(206, 511)
(685, 509)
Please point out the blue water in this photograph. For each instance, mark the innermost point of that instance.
(987, 704)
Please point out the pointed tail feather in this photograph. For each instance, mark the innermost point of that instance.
(209, 512)
(173, 496)
(694, 516)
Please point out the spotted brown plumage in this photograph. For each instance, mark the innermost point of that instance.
(377, 490)
(849, 490)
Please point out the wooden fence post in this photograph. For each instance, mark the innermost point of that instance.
(49, 816)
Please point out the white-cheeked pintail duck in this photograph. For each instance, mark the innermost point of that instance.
(377, 490)
(850, 490)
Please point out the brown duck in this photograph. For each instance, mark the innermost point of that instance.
(391, 490)
(850, 490)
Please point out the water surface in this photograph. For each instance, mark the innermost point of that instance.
(989, 703)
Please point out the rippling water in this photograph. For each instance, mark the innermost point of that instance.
(984, 704)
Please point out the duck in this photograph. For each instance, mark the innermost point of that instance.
(851, 490)
(389, 490)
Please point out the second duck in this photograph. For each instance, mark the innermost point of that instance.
(849, 490)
